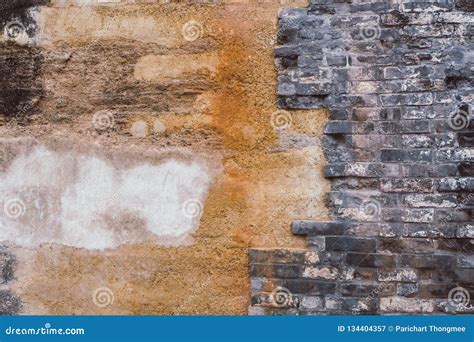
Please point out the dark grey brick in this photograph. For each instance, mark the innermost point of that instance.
(350, 244)
(419, 245)
(427, 261)
(407, 185)
(320, 228)
(371, 260)
(363, 290)
(408, 126)
(404, 155)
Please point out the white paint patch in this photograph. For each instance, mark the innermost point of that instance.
(83, 200)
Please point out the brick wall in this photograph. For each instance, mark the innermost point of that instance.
(397, 79)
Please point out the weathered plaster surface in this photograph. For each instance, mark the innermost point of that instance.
(213, 100)
(83, 200)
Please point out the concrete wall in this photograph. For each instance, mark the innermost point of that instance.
(142, 152)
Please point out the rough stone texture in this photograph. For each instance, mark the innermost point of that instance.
(397, 79)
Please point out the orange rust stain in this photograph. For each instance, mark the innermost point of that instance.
(234, 110)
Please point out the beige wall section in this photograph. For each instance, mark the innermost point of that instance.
(214, 98)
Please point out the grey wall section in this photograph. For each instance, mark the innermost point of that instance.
(397, 79)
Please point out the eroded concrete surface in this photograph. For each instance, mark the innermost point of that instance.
(135, 110)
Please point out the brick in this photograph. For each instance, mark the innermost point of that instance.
(440, 290)
(415, 99)
(466, 169)
(323, 88)
(455, 215)
(285, 271)
(464, 275)
(417, 141)
(408, 215)
(363, 290)
(417, 112)
(309, 287)
(406, 126)
(445, 140)
(465, 5)
(424, 71)
(427, 261)
(430, 6)
(466, 139)
(312, 302)
(432, 200)
(428, 31)
(466, 261)
(370, 7)
(350, 244)
(406, 245)
(356, 199)
(352, 183)
(406, 305)
(287, 255)
(456, 245)
(458, 154)
(376, 229)
(320, 272)
(317, 243)
(370, 260)
(353, 169)
(319, 228)
(404, 155)
(338, 127)
(465, 231)
(428, 170)
(420, 230)
(394, 18)
(338, 61)
(407, 185)
(404, 275)
(456, 184)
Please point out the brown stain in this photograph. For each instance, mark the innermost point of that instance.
(251, 203)
(240, 78)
